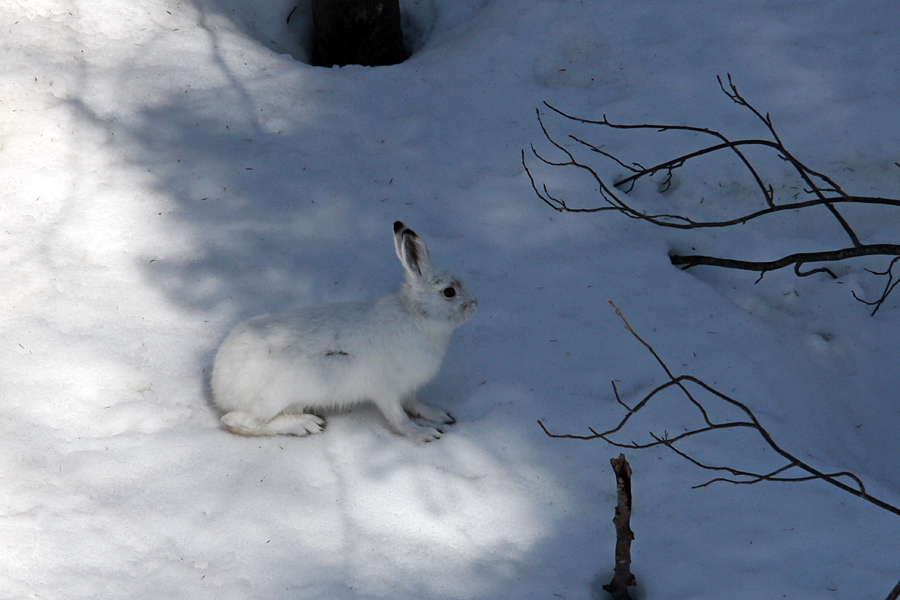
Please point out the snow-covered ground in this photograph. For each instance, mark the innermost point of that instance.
(172, 167)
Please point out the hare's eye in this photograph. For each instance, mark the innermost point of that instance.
(449, 292)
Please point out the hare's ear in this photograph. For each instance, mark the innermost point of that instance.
(411, 250)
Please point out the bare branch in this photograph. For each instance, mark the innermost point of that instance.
(662, 128)
(688, 261)
(819, 190)
(844, 480)
(805, 172)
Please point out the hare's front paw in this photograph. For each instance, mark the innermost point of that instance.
(429, 413)
(419, 433)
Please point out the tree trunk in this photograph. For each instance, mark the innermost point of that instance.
(357, 32)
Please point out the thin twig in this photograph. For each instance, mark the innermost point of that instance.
(805, 172)
(895, 593)
(888, 287)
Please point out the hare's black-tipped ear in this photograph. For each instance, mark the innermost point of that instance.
(411, 250)
(399, 227)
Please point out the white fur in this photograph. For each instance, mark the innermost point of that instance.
(273, 372)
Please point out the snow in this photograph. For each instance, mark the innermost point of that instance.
(170, 168)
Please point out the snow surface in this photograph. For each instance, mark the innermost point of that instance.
(172, 167)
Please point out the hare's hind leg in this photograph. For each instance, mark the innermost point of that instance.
(243, 423)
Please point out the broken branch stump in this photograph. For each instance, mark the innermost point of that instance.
(622, 578)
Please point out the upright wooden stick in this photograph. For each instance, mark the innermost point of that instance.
(622, 578)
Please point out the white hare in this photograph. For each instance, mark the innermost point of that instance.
(273, 372)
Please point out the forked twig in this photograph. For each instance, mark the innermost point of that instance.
(888, 287)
